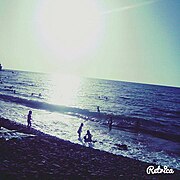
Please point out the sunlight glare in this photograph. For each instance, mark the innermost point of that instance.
(69, 29)
(64, 89)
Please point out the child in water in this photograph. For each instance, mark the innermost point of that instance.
(88, 137)
(80, 130)
(29, 118)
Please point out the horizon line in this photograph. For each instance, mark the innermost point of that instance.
(100, 78)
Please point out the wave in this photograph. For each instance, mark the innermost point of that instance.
(47, 106)
(168, 112)
(119, 121)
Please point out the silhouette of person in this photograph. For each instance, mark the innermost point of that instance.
(88, 137)
(98, 110)
(80, 130)
(29, 118)
(0, 67)
(110, 123)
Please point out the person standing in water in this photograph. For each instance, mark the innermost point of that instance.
(98, 110)
(80, 130)
(29, 118)
(110, 123)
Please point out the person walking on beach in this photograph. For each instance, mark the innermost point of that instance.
(88, 137)
(80, 130)
(29, 118)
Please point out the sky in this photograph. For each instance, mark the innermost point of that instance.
(128, 40)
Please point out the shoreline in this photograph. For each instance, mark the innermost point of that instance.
(45, 156)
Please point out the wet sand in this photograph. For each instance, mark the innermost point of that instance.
(46, 157)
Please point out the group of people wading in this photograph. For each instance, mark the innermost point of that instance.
(87, 137)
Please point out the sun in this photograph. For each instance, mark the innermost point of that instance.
(69, 29)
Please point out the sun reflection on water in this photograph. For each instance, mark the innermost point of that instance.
(64, 89)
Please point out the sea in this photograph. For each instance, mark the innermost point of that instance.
(146, 118)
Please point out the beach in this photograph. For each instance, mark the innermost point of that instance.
(89, 89)
(145, 118)
(41, 156)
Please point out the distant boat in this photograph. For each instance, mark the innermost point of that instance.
(0, 67)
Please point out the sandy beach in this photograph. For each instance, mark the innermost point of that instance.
(35, 155)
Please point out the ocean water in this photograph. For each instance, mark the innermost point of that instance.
(145, 117)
